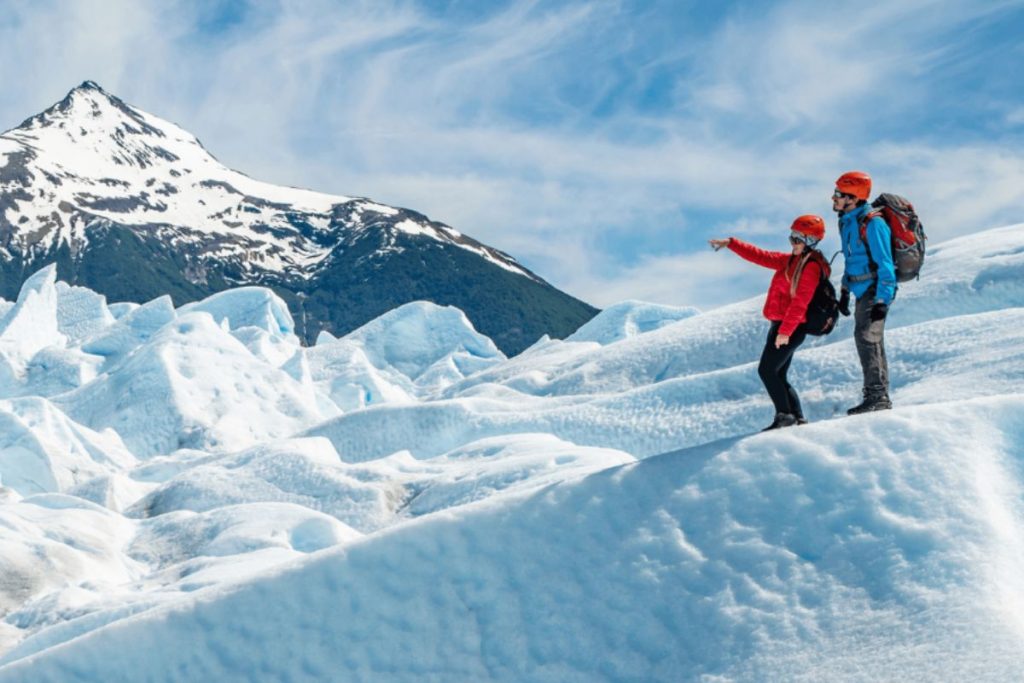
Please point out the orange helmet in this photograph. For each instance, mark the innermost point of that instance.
(857, 183)
(810, 225)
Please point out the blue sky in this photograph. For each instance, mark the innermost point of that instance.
(601, 143)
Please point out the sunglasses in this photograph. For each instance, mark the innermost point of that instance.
(840, 195)
(800, 238)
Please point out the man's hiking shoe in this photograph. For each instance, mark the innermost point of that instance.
(781, 420)
(801, 420)
(870, 406)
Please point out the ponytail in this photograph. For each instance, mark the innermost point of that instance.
(794, 280)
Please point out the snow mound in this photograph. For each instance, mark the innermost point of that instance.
(304, 472)
(134, 327)
(247, 307)
(938, 360)
(822, 553)
(31, 324)
(52, 541)
(121, 308)
(629, 319)
(41, 450)
(411, 352)
(257, 317)
(342, 370)
(427, 343)
(504, 465)
(192, 385)
(405, 503)
(55, 370)
(81, 312)
(187, 540)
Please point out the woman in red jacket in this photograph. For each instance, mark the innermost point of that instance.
(796, 277)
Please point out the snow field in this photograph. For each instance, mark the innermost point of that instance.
(817, 554)
(173, 381)
(190, 495)
(944, 360)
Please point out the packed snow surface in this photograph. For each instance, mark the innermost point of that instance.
(189, 494)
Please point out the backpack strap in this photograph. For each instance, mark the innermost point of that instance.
(864, 238)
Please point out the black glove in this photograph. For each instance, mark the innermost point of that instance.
(844, 301)
(878, 312)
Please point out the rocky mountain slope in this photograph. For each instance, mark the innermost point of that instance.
(135, 207)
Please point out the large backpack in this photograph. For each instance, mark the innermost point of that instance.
(906, 231)
(823, 310)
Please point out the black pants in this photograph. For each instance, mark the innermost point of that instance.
(774, 366)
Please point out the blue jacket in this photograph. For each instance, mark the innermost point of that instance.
(858, 265)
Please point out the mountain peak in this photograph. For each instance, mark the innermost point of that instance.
(90, 91)
(92, 131)
(93, 177)
(87, 102)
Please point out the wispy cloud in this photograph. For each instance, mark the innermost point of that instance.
(600, 143)
(703, 280)
(1015, 117)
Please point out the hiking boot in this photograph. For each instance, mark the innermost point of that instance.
(781, 420)
(870, 405)
(801, 420)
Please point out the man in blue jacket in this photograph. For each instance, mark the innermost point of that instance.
(870, 276)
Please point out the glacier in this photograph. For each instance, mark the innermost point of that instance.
(191, 494)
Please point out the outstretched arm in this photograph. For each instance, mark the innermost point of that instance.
(762, 257)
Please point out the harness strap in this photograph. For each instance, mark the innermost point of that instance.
(862, 230)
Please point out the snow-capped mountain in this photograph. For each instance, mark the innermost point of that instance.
(135, 207)
(188, 493)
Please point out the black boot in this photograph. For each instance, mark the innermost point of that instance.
(870, 405)
(781, 420)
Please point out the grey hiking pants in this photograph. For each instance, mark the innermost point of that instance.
(870, 339)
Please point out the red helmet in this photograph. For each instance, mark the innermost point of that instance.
(810, 225)
(857, 183)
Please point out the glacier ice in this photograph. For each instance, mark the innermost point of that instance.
(192, 490)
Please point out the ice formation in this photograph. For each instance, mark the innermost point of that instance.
(190, 494)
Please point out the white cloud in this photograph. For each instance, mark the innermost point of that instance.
(821, 66)
(956, 191)
(704, 280)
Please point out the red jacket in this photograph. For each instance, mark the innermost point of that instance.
(785, 302)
